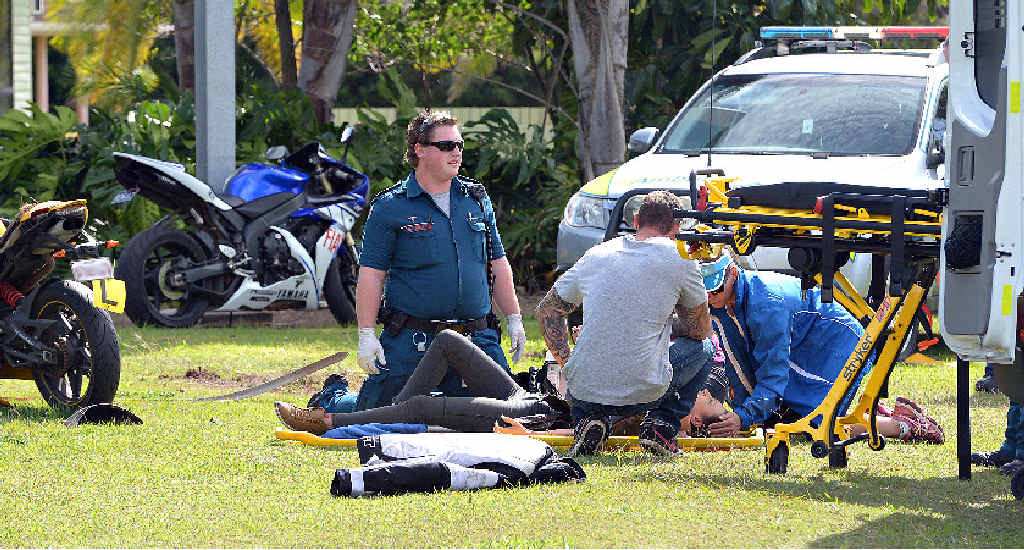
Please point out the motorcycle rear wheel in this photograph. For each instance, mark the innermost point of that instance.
(88, 356)
(145, 266)
(340, 289)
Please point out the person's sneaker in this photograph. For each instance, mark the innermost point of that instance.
(928, 429)
(921, 429)
(658, 437)
(987, 383)
(332, 380)
(1011, 468)
(588, 436)
(315, 421)
(994, 459)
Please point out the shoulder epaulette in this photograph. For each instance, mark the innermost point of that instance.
(474, 188)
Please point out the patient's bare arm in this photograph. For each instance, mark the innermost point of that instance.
(693, 322)
(551, 313)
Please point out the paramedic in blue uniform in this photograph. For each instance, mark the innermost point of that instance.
(783, 349)
(427, 245)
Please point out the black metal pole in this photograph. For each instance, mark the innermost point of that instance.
(963, 417)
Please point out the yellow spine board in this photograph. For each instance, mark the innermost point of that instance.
(755, 439)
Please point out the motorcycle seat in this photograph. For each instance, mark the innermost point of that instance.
(232, 200)
(262, 205)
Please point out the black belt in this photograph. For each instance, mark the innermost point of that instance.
(434, 326)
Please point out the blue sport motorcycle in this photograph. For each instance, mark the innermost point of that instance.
(278, 238)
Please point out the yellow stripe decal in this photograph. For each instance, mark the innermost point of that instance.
(1015, 97)
(1007, 300)
(598, 187)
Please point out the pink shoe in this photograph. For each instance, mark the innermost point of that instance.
(919, 412)
(920, 428)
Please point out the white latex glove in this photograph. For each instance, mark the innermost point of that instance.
(369, 349)
(516, 334)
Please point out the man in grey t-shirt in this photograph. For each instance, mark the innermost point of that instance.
(623, 364)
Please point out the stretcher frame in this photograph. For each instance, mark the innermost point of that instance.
(903, 224)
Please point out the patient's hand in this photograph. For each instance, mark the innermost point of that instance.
(728, 426)
(514, 428)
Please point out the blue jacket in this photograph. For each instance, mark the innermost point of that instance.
(789, 350)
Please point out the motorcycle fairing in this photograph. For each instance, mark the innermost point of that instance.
(303, 287)
(177, 173)
(253, 181)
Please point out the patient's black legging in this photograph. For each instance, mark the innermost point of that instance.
(499, 395)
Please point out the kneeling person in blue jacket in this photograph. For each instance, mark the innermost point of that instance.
(783, 349)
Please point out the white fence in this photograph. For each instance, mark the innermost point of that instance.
(524, 116)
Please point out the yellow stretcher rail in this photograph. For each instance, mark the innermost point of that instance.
(625, 442)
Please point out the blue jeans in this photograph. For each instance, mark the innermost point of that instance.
(403, 355)
(1013, 444)
(691, 362)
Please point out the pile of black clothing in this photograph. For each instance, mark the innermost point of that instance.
(421, 463)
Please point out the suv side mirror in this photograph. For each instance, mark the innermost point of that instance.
(641, 140)
(276, 153)
(936, 152)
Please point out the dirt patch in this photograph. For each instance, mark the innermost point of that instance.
(203, 376)
(304, 386)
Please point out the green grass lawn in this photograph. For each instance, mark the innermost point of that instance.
(212, 474)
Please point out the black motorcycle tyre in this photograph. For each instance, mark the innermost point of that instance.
(340, 289)
(88, 323)
(131, 269)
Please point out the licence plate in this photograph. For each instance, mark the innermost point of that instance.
(126, 195)
(92, 269)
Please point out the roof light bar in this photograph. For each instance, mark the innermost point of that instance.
(853, 32)
(796, 32)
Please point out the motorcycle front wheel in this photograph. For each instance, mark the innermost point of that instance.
(88, 358)
(340, 288)
(147, 267)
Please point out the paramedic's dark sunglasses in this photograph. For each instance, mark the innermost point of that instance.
(448, 146)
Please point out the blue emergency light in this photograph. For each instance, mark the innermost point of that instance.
(797, 32)
(852, 32)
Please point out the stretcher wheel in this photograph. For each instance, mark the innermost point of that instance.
(837, 458)
(881, 443)
(778, 460)
(1017, 484)
(819, 449)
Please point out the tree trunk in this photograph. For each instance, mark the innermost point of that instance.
(283, 15)
(184, 44)
(326, 36)
(599, 32)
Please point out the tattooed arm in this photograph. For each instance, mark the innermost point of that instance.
(551, 313)
(692, 322)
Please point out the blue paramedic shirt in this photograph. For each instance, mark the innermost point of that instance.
(787, 348)
(435, 263)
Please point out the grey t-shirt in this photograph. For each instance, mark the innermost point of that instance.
(628, 290)
(443, 200)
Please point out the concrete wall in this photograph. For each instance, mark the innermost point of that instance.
(524, 116)
(21, 18)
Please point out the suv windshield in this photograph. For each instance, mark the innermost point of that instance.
(803, 113)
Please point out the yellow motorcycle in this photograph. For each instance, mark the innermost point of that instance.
(55, 331)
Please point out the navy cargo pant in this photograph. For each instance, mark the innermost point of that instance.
(403, 352)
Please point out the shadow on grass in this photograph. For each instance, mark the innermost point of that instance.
(33, 413)
(993, 526)
(940, 511)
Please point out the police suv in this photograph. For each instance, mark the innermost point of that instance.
(808, 104)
